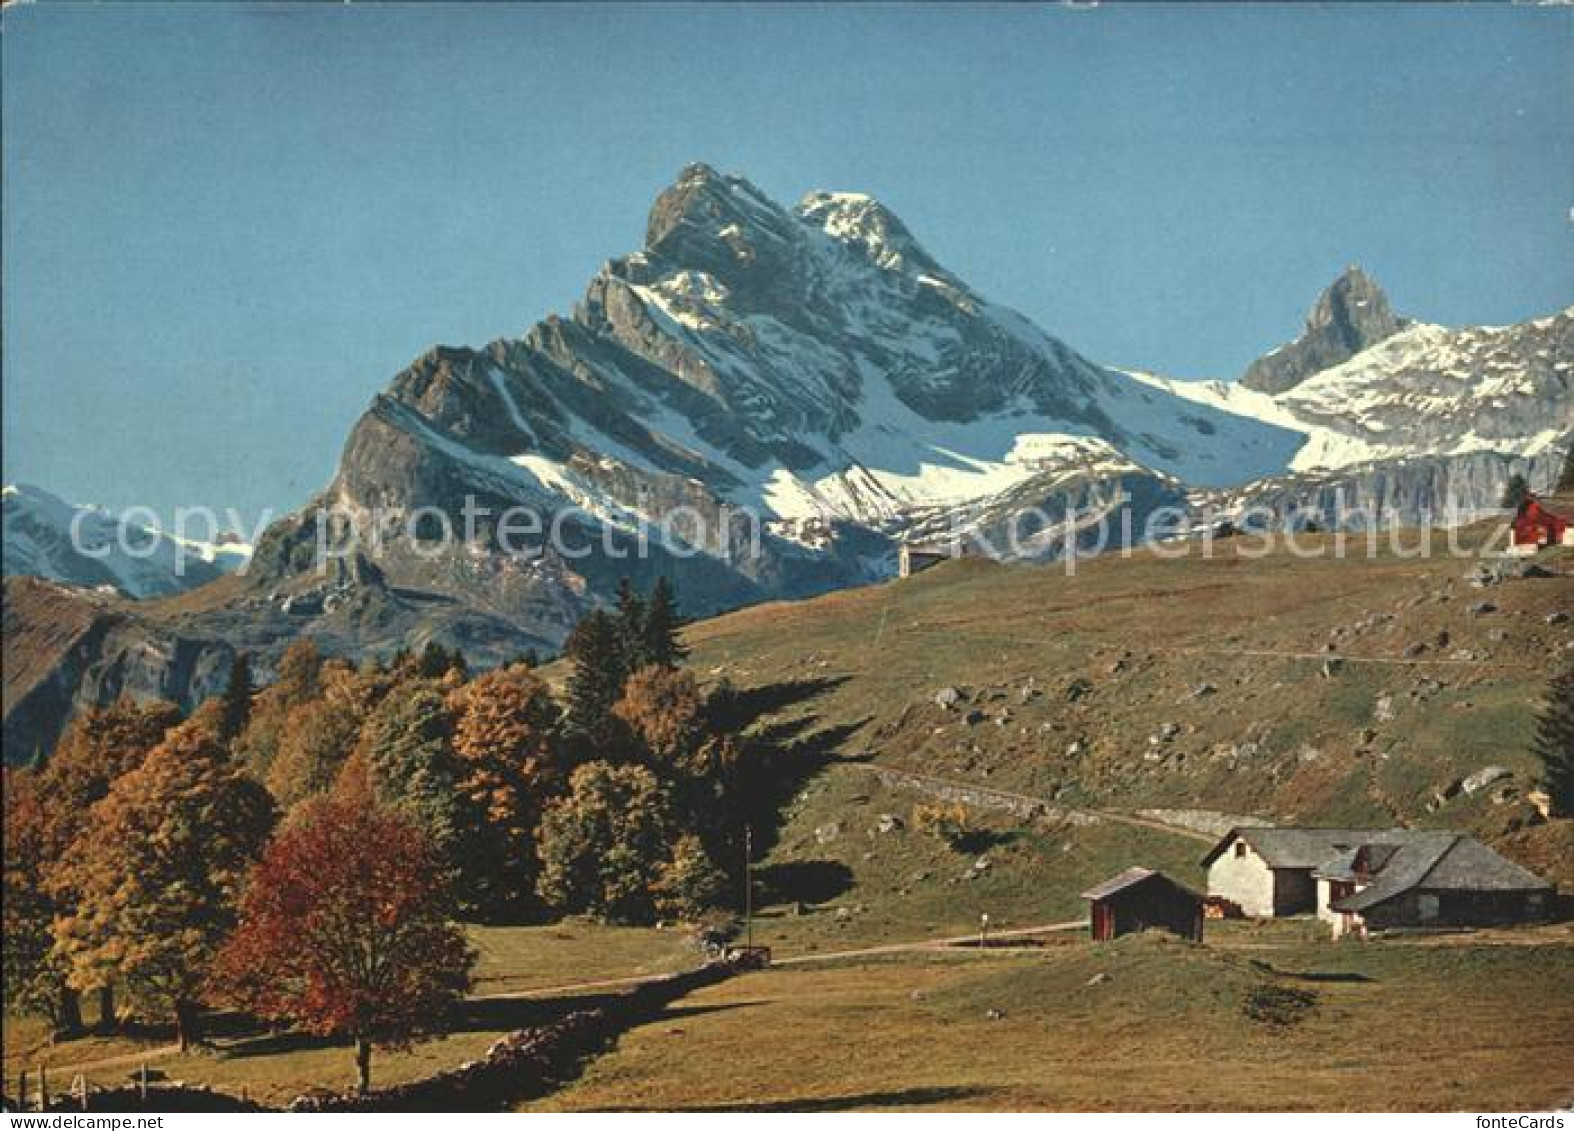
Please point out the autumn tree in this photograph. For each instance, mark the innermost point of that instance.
(156, 873)
(345, 930)
(506, 764)
(408, 750)
(299, 682)
(1555, 741)
(35, 978)
(952, 824)
(317, 739)
(667, 716)
(604, 844)
(689, 883)
(98, 746)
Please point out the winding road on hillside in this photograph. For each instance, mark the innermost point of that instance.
(925, 783)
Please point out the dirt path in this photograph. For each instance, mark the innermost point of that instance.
(925, 944)
(60, 1075)
(911, 946)
(1017, 801)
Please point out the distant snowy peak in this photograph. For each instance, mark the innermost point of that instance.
(1423, 391)
(47, 537)
(1352, 315)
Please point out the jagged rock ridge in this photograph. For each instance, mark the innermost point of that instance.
(1350, 316)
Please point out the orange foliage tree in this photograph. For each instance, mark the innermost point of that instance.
(97, 747)
(156, 872)
(507, 763)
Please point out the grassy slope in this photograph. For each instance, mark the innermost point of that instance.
(1371, 743)
(1165, 1030)
(276, 1069)
(834, 881)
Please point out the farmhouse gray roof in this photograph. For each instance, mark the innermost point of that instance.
(1442, 862)
(1130, 878)
(1304, 848)
(1358, 863)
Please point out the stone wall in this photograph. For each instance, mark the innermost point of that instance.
(531, 1062)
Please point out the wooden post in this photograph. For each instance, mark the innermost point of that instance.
(748, 885)
(43, 1087)
(142, 1083)
(79, 1090)
(21, 1089)
(983, 930)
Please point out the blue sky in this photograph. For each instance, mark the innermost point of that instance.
(227, 227)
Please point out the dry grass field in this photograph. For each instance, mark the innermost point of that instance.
(1145, 1023)
(274, 1068)
(1312, 690)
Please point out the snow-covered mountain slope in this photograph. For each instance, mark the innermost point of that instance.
(809, 363)
(1426, 390)
(813, 366)
(45, 536)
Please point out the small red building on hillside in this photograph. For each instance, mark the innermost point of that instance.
(1541, 524)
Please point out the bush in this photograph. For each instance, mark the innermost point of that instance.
(949, 823)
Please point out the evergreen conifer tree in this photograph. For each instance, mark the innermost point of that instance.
(663, 624)
(1555, 741)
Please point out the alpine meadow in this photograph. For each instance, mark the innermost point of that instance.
(788, 559)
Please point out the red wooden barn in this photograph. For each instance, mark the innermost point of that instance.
(1539, 524)
(1139, 899)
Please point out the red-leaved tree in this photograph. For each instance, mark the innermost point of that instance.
(345, 930)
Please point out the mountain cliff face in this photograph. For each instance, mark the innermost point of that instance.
(809, 382)
(1350, 316)
(67, 648)
(772, 399)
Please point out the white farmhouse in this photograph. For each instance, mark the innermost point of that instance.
(1378, 878)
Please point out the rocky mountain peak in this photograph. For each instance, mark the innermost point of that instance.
(868, 227)
(1351, 315)
(712, 221)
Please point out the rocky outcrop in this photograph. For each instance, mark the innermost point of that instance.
(66, 649)
(1351, 315)
(1418, 491)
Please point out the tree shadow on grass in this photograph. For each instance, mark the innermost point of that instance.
(906, 1097)
(975, 842)
(735, 710)
(778, 769)
(685, 1012)
(803, 881)
(476, 1015)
